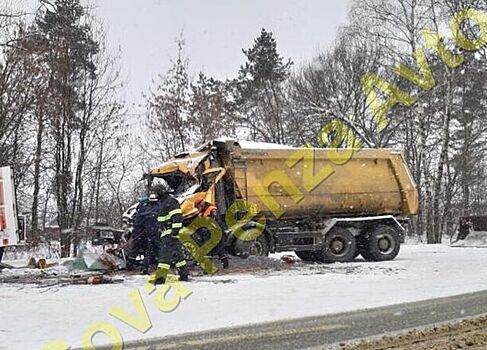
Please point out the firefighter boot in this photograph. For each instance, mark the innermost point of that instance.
(182, 267)
(183, 274)
(224, 260)
(159, 276)
(156, 279)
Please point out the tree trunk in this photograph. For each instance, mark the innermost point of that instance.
(443, 158)
(37, 167)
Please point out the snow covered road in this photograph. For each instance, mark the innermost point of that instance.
(33, 316)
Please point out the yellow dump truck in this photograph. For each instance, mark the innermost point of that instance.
(324, 204)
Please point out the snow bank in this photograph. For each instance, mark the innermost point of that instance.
(262, 145)
(474, 239)
(255, 145)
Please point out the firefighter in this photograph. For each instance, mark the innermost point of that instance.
(206, 209)
(137, 239)
(169, 250)
(145, 234)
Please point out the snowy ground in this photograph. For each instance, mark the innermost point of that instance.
(33, 316)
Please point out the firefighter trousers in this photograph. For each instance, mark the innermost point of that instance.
(171, 255)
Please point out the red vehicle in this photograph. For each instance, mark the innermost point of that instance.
(9, 224)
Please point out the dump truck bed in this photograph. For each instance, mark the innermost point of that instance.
(371, 182)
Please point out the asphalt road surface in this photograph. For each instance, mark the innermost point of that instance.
(323, 331)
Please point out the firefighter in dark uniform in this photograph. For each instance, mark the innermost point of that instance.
(170, 250)
(206, 209)
(137, 241)
(145, 233)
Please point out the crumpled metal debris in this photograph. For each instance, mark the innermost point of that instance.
(98, 262)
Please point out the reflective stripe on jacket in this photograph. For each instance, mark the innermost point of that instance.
(170, 218)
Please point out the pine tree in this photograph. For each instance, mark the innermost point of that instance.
(68, 49)
(260, 90)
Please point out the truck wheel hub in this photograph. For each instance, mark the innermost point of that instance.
(386, 244)
(337, 246)
(256, 248)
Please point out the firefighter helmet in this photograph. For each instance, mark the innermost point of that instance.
(157, 192)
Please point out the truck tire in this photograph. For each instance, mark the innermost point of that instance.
(257, 247)
(307, 255)
(1, 253)
(339, 246)
(381, 244)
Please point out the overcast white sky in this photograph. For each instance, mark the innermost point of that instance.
(215, 32)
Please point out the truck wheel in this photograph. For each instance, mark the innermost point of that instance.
(257, 247)
(339, 246)
(260, 246)
(307, 255)
(1, 253)
(381, 244)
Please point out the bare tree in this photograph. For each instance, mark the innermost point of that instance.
(329, 88)
(209, 110)
(167, 110)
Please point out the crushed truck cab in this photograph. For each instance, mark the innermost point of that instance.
(301, 199)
